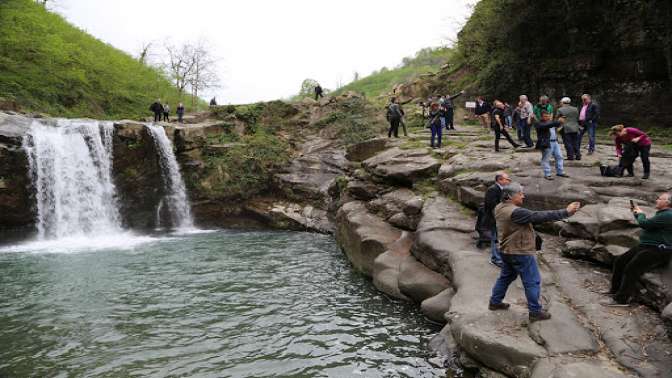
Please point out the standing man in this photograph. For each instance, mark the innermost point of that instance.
(166, 112)
(588, 118)
(569, 117)
(434, 125)
(499, 125)
(394, 114)
(213, 102)
(518, 248)
(543, 105)
(654, 251)
(525, 121)
(180, 113)
(547, 143)
(482, 111)
(450, 110)
(318, 92)
(493, 197)
(157, 109)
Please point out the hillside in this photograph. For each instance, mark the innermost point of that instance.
(383, 81)
(48, 65)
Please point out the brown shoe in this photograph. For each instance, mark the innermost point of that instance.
(541, 315)
(499, 306)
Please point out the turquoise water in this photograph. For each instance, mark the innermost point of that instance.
(219, 304)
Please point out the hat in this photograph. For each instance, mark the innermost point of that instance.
(566, 100)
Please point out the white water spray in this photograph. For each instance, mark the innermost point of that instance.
(176, 197)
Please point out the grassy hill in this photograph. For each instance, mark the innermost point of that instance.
(382, 81)
(49, 65)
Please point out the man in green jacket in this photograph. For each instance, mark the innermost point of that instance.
(654, 251)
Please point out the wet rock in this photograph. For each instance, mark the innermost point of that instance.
(290, 216)
(443, 343)
(362, 235)
(404, 167)
(386, 267)
(563, 333)
(418, 282)
(437, 306)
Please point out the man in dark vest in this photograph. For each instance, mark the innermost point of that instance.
(518, 247)
(318, 92)
(493, 196)
(394, 114)
(157, 109)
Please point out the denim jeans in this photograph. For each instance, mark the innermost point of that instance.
(436, 132)
(526, 129)
(589, 127)
(546, 159)
(526, 267)
(495, 255)
(443, 121)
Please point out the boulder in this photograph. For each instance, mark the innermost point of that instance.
(418, 282)
(413, 206)
(667, 312)
(391, 203)
(366, 149)
(607, 253)
(386, 267)
(404, 222)
(363, 191)
(402, 167)
(579, 248)
(625, 238)
(436, 307)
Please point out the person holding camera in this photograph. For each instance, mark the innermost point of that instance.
(654, 251)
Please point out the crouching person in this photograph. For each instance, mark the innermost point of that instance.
(654, 251)
(518, 248)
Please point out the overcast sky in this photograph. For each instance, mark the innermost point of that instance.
(266, 48)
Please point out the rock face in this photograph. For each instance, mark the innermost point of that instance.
(402, 166)
(15, 187)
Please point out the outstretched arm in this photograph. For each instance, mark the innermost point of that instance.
(524, 216)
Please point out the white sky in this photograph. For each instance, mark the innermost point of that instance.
(266, 48)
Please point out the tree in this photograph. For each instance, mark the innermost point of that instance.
(308, 88)
(144, 52)
(204, 74)
(180, 64)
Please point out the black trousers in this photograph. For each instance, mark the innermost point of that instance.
(394, 127)
(498, 134)
(165, 117)
(449, 119)
(157, 117)
(571, 141)
(630, 266)
(644, 154)
(318, 95)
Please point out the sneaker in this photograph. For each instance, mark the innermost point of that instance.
(550, 178)
(499, 306)
(614, 303)
(563, 175)
(541, 315)
(578, 158)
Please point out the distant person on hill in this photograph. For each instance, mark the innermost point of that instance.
(639, 140)
(568, 115)
(166, 112)
(482, 112)
(157, 109)
(547, 143)
(180, 112)
(654, 251)
(318, 92)
(499, 125)
(518, 248)
(394, 114)
(493, 197)
(450, 110)
(213, 102)
(589, 115)
(525, 122)
(434, 124)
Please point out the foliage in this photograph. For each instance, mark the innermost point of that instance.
(48, 65)
(353, 120)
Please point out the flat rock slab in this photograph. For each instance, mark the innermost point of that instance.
(402, 167)
(419, 282)
(563, 333)
(574, 368)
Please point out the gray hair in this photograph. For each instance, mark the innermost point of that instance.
(523, 97)
(586, 95)
(511, 190)
(669, 198)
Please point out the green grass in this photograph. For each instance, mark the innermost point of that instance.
(48, 65)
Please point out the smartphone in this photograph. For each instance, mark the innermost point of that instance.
(632, 205)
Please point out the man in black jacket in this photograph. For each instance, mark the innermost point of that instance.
(450, 110)
(547, 143)
(589, 114)
(493, 196)
(157, 109)
(482, 112)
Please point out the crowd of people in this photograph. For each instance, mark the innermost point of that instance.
(515, 254)
(162, 111)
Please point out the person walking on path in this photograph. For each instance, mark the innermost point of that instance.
(318, 92)
(622, 135)
(180, 113)
(518, 247)
(547, 143)
(499, 125)
(493, 196)
(568, 115)
(394, 114)
(434, 125)
(589, 115)
(525, 122)
(166, 112)
(157, 109)
(482, 112)
(654, 251)
(450, 110)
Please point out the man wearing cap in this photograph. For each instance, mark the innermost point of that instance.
(518, 248)
(568, 115)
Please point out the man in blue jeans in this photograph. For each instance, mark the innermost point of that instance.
(518, 247)
(547, 143)
(493, 196)
(588, 117)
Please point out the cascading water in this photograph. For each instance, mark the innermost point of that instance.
(71, 169)
(176, 197)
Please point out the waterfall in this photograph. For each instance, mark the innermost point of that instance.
(71, 168)
(176, 197)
